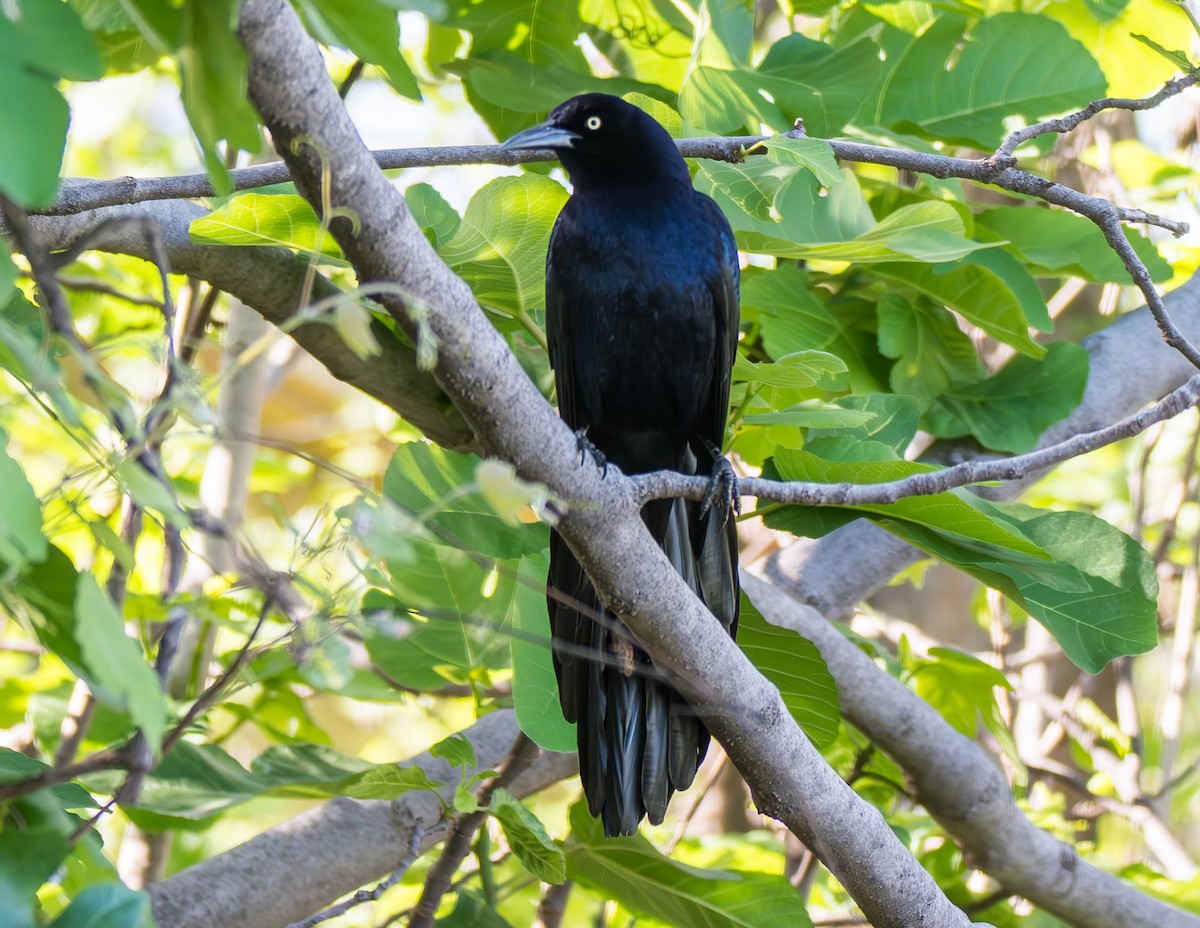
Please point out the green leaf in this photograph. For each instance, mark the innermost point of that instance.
(49, 39)
(930, 350)
(118, 671)
(535, 688)
(811, 414)
(368, 28)
(1011, 409)
(1175, 56)
(1055, 242)
(471, 911)
(212, 69)
(797, 370)
(634, 873)
(151, 493)
(33, 132)
(975, 293)
(27, 859)
(949, 513)
(21, 538)
(796, 667)
(427, 479)
(15, 767)
(456, 749)
(388, 782)
(893, 422)
(812, 154)
(1011, 64)
(664, 115)
(285, 220)
(429, 209)
(106, 905)
(528, 839)
(959, 686)
(500, 248)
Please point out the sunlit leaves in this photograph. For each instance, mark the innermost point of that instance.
(1011, 64)
(1009, 410)
(795, 666)
(527, 837)
(285, 220)
(21, 537)
(369, 29)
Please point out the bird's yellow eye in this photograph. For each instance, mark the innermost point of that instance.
(593, 123)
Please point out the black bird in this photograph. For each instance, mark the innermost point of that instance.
(642, 320)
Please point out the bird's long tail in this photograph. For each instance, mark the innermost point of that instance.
(639, 740)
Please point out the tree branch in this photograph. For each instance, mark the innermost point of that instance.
(288, 84)
(327, 852)
(960, 786)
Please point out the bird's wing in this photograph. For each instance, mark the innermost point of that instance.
(726, 295)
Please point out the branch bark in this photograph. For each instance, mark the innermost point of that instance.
(303, 865)
(960, 786)
(288, 84)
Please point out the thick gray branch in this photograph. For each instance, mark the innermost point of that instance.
(306, 863)
(958, 784)
(271, 281)
(289, 85)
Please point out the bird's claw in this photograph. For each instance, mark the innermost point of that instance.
(587, 449)
(722, 491)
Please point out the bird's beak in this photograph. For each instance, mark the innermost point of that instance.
(547, 135)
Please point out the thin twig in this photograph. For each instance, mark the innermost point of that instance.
(553, 904)
(371, 895)
(462, 831)
(663, 484)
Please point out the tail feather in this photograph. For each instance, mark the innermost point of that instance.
(639, 740)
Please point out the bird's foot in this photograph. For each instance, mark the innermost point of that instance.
(722, 493)
(587, 449)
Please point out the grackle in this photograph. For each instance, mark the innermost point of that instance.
(642, 321)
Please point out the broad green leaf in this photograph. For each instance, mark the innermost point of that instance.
(930, 350)
(106, 905)
(650, 885)
(1098, 595)
(456, 749)
(15, 767)
(212, 70)
(437, 484)
(813, 154)
(33, 132)
(811, 414)
(975, 293)
(119, 673)
(1055, 242)
(959, 686)
(535, 688)
(432, 213)
(796, 667)
(948, 513)
(285, 220)
(21, 538)
(929, 232)
(1011, 409)
(1015, 275)
(48, 38)
(893, 422)
(797, 370)
(1133, 68)
(964, 93)
(500, 248)
(151, 493)
(369, 29)
(663, 114)
(528, 839)
(28, 857)
(471, 911)
(388, 782)
(799, 77)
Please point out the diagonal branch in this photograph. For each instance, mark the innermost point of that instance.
(288, 84)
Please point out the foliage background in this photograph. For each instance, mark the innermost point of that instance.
(374, 592)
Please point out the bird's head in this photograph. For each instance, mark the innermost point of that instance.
(602, 140)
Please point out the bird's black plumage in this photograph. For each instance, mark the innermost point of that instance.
(642, 321)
